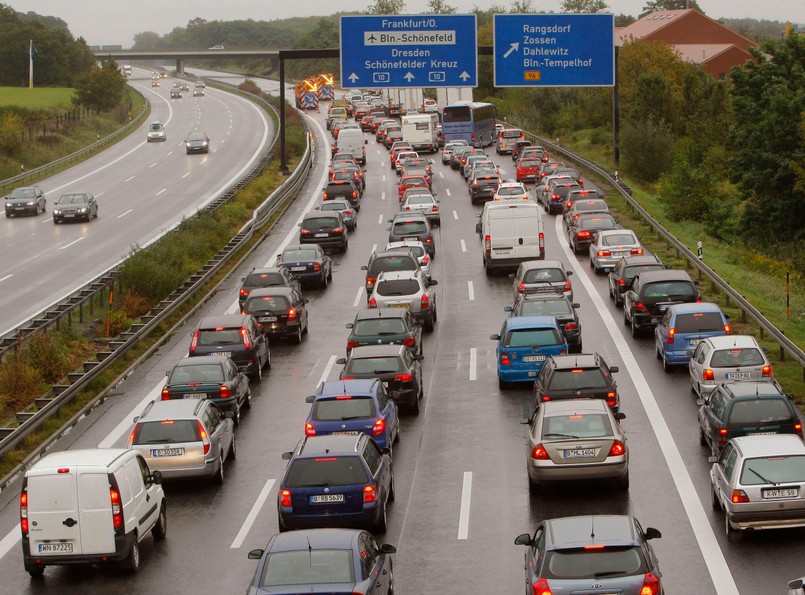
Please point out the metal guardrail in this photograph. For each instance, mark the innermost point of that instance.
(787, 346)
(36, 414)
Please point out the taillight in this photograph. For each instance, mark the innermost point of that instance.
(117, 509)
(194, 342)
(546, 398)
(338, 230)
(612, 398)
(722, 435)
(488, 244)
(304, 232)
(708, 374)
(379, 427)
(798, 429)
(604, 253)
(351, 345)
(369, 494)
(370, 281)
(504, 359)
(651, 585)
(617, 449)
(292, 314)
(425, 260)
(739, 497)
(372, 302)
(640, 307)
(583, 234)
(541, 242)
(571, 326)
(347, 212)
(766, 372)
(428, 240)
(622, 282)
(637, 251)
(326, 196)
(224, 392)
(727, 329)
(541, 587)
(555, 196)
(247, 344)
(521, 287)
(671, 333)
(309, 429)
(434, 209)
(539, 453)
(404, 377)
(316, 267)
(408, 342)
(568, 286)
(24, 512)
(244, 293)
(132, 435)
(204, 438)
(354, 194)
(285, 498)
(166, 394)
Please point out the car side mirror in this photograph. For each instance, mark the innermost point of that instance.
(310, 398)
(387, 548)
(652, 533)
(495, 337)
(712, 459)
(364, 268)
(365, 142)
(569, 273)
(299, 225)
(324, 188)
(689, 353)
(696, 283)
(168, 373)
(620, 416)
(508, 309)
(390, 221)
(433, 282)
(524, 539)
(419, 357)
(341, 361)
(349, 325)
(790, 396)
(229, 414)
(135, 418)
(525, 420)
(613, 369)
(795, 584)
(385, 451)
(255, 554)
(576, 305)
(155, 477)
(286, 456)
(727, 316)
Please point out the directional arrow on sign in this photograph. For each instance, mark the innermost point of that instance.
(464, 76)
(515, 46)
(353, 77)
(409, 77)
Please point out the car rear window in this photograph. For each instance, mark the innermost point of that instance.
(593, 564)
(374, 365)
(395, 287)
(595, 425)
(511, 191)
(629, 272)
(544, 308)
(511, 133)
(308, 567)
(537, 336)
(272, 303)
(402, 228)
(198, 373)
(699, 322)
(320, 223)
(327, 470)
(529, 163)
(421, 199)
(256, 280)
(562, 190)
(618, 239)
(391, 263)
(760, 411)
(544, 276)
(223, 336)
(418, 251)
(297, 255)
(775, 470)
(167, 431)
(578, 379)
(378, 326)
(663, 289)
(590, 206)
(341, 409)
(345, 188)
(597, 223)
(735, 358)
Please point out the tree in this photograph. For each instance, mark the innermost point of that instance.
(440, 7)
(101, 88)
(147, 40)
(521, 7)
(652, 5)
(381, 7)
(583, 6)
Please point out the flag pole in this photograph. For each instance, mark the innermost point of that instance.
(31, 64)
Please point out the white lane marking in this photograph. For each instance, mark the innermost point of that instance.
(463, 246)
(6, 277)
(441, 175)
(358, 297)
(473, 364)
(384, 177)
(170, 153)
(100, 194)
(126, 422)
(699, 523)
(223, 141)
(447, 192)
(129, 179)
(184, 176)
(327, 369)
(71, 243)
(10, 540)
(455, 215)
(464, 514)
(382, 196)
(152, 165)
(471, 291)
(380, 219)
(161, 191)
(124, 214)
(205, 160)
(250, 518)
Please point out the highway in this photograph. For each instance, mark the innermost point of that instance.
(142, 189)
(462, 493)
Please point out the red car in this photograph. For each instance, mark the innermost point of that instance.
(528, 169)
(412, 181)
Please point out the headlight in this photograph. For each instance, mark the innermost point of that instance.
(82, 210)
(57, 211)
(31, 203)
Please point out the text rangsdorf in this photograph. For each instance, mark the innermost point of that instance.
(374, 38)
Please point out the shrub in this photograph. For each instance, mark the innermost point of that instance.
(646, 148)
(49, 353)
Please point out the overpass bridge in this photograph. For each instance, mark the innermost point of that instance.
(181, 55)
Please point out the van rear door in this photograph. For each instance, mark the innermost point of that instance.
(526, 233)
(95, 523)
(53, 518)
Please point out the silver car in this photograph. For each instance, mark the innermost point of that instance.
(426, 204)
(450, 147)
(727, 359)
(407, 289)
(156, 132)
(575, 439)
(185, 438)
(348, 212)
(418, 248)
(610, 245)
(759, 483)
(542, 276)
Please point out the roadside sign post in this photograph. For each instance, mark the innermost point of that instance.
(409, 51)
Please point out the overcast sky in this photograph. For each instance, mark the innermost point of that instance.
(102, 22)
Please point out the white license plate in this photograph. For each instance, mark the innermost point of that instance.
(414, 239)
(267, 319)
(298, 268)
(327, 498)
(222, 353)
(196, 396)
(772, 494)
(68, 215)
(533, 358)
(762, 433)
(55, 548)
(320, 235)
(578, 452)
(738, 375)
(694, 342)
(349, 433)
(502, 250)
(167, 452)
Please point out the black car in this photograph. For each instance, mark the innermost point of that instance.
(580, 231)
(581, 376)
(279, 311)
(620, 277)
(79, 205)
(556, 305)
(278, 276)
(412, 226)
(576, 204)
(325, 228)
(197, 142)
(209, 377)
(483, 186)
(308, 264)
(233, 335)
(398, 369)
(348, 189)
(387, 260)
(27, 200)
(385, 326)
(392, 136)
(650, 294)
(555, 201)
(518, 145)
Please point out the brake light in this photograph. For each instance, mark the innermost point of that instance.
(370, 281)
(24, 512)
(304, 232)
(204, 438)
(247, 344)
(285, 498)
(539, 453)
(651, 585)
(604, 253)
(541, 242)
(117, 510)
(617, 449)
(425, 260)
(727, 329)
(166, 395)
(244, 293)
(404, 377)
(369, 494)
(766, 372)
(504, 359)
(488, 244)
(612, 398)
(316, 267)
(568, 286)
(133, 434)
(326, 196)
(194, 342)
(555, 196)
(722, 435)
(309, 429)
(583, 234)
(798, 429)
(224, 392)
(541, 587)
(545, 398)
(739, 497)
(354, 194)
(338, 230)
(521, 287)
(636, 251)
(671, 333)
(291, 314)
(351, 345)
(622, 282)
(379, 428)
(372, 302)
(708, 374)
(434, 209)
(640, 307)
(571, 326)
(408, 342)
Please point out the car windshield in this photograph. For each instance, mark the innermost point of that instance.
(391, 263)
(760, 411)
(156, 127)
(511, 191)
(326, 471)
(774, 470)
(301, 254)
(196, 136)
(23, 193)
(591, 564)
(577, 378)
(402, 228)
(320, 223)
(308, 567)
(594, 425)
(662, 289)
(533, 336)
(373, 365)
(378, 326)
(699, 322)
(267, 303)
(737, 358)
(618, 239)
(544, 308)
(72, 199)
(343, 408)
(167, 431)
(397, 287)
(257, 280)
(544, 276)
(223, 336)
(196, 373)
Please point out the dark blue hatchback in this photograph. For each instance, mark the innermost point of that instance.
(352, 407)
(336, 481)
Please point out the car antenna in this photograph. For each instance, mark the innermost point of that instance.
(309, 551)
(592, 528)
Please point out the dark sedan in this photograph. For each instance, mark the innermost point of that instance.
(307, 263)
(23, 201)
(267, 277)
(556, 305)
(327, 229)
(279, 311)
(197, 142)
(580, 231)
(391, 326)
(80, 205)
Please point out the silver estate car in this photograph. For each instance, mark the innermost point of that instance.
(423, 203)
(727, 359)
(407, 289)
(610, 245)
(759, 483)
(542, 276)
(418, 248)
(185, 438)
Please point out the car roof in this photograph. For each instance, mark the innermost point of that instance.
(664, 275)
(580, 360)
(578, 531)
(572, 406)
(776, 444)
(273, 290)
(397, 275)
(612, 232)
(694, 307)
(100, 457)
(543, 264)
(386, 350)
(172, 409)
(380, 313)
(224, 320)
(308, 246)
(315, 539)
(390, 253)
(347, 387)
(642, 259)
(395, 246)
(768, 389)
(265, 270)
(320, 215)
(517, 322)
(331, 444)
(409, 215)
(736, 341)
(199, 361)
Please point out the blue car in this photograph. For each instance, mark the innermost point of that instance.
(336, 481)
(354, 406)
(682, 327)
(524, 343)
(315, 560)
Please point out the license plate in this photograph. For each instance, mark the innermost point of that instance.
(578, 452)
(298, 268)
(738, 375)
(167, 452)
(503, 250)
(196, 396)
(267, 319)
(222, 353)
(662, 308)
(533, 358)
(55, 548)
(762, 433)
(399, 305)
(320, 235)
(345, 433)
(69, 215)
(327, 498)
(693, 342)
(772, 494)
(414, 239)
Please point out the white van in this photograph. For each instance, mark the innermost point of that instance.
(512, 233)
(352, 140)
(89, 506)
(420, 131)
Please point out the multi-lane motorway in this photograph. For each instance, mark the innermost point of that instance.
(462, 493)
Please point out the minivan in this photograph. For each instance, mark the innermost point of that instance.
(89, 506)
(512, 233)
(682, 327)
(233, 335)
(352, 140)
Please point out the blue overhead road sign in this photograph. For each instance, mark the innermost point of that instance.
(554, 50)
(409, 51)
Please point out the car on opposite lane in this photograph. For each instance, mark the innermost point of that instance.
(26, 200)
(156, 132)
(74, 206)
(197, 142)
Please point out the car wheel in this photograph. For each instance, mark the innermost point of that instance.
(695, 389)
(219, 476)
(391, 582)
(428, 325)
(258, 375)
(502, 384)
(55, 221)
(702, 437)
(267, 363)
(611, 295)
(325, 281)
(330, 272)
(160, 530)
(35, 570)
(236, 419)
(618, 301)
(534, 488)
(623, 483)
(233, 449)
(714, 502)
(593, 267)
(666, 367)
(297, 338)
(413, 407)
(132, 561)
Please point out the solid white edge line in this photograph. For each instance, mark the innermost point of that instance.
(252, 516)
(10, 540)
(358, 297)
(717, 566)
(464, 514)
(471, 291)
(327, 369)
(473, 364)
(463, 246)
(128, 420)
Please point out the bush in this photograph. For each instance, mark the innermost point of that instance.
(20, 381)
(646, 149)
(49, 353)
